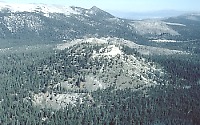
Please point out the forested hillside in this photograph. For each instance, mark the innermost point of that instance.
(76, 66)
(70, 87)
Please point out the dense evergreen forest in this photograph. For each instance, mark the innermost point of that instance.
(175, 102)
(107, 71)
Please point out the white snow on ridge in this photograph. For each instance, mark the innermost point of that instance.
(46, 9)
(164, 41)
(175, 24)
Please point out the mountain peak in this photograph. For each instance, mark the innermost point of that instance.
(95, 8)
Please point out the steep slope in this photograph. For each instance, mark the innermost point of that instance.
(47, 10)
(86, 65)
(38, 22)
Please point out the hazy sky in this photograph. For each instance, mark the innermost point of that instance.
(124, 5)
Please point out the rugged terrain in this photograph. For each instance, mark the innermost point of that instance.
(70, 65)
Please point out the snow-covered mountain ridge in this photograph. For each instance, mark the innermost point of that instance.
(41, 22)
(47, 9)
(44, 8)
(52, 22)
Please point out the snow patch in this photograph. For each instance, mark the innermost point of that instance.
(175, 24)
(46, 9)
(164, 41)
